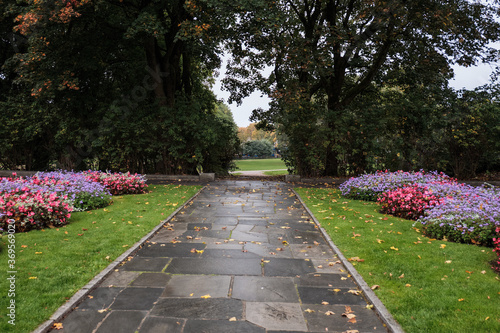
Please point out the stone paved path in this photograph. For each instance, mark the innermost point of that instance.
(243, 257)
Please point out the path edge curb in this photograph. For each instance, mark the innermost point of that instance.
(67, 307)
(391, 324)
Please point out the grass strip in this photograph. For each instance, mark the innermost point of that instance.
(260, 164)
(53, 264)
(426, 284)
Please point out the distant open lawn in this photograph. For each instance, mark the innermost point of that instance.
(53, 264)
(428, 285)
(260, 164)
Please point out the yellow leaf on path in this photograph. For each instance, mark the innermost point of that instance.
(336, 290)
(325, 303)
(206, 296)
(329, 313)
(355, 292)
(58, 326)
(101, 311)
(309, 310)
(232, 319)
(343, 278)
(369, 306)
(191, 294)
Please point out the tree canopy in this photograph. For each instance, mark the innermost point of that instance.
(355, 84)
(326, 55)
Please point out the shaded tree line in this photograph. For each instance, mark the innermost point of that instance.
(120, 85)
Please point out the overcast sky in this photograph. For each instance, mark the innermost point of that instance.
(468, 78)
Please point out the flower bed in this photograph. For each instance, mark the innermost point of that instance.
(48, 198)
(119, 183)
(443, 207)
(370, 186)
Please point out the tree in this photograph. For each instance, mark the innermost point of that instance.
(258, 148)
(122, 84)
(326, 54)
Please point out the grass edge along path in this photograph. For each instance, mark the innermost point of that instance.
(54, 264)
(427, 285)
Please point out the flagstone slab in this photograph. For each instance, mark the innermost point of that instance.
(82, 321)
(151, 280)
(136, 298)
(161, 325)
(171, 250)
(221, 266)
(142, 264)
(287, 267)
(120, 278)
(196, 286)
(229, 253)
(325, 280)
(122, 321)
(276, 316)
(264, 289)
(199, 308)
(365, 321)
(221, 326)
(317, 295)
(100, 298)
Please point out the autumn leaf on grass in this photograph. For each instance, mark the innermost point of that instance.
(394, 248)
(356, 259)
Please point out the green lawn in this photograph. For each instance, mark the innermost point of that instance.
(428, 285)
(260, 164)
(53, 264)
(276, 173)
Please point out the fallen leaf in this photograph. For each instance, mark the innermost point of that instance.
(447, 262)
(232, 319)
(355, 292)
(102, 310)
(343, 278)
(402, 276)
(58, 326)
(325, 303)
(206, 296)
(329, 313)
(375, 286)
(442, 246)
(336, 290)
(33, 278)
(356, 259)
(309, 310)
(407, 285)
(369, 306)
(461, 299)
(394, 248)
(352, 320)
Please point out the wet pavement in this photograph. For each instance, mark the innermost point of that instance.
(242, 257)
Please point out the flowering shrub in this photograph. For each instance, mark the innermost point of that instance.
(496, 243)
(443, 207)
(83, 193)
(119, 183)
(371, 186)
(467, 214)
(34, 209)
(409, 201)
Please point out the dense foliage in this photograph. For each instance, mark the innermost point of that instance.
(130, 92)
(353, 82)
(257, 148)
(443, 207)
